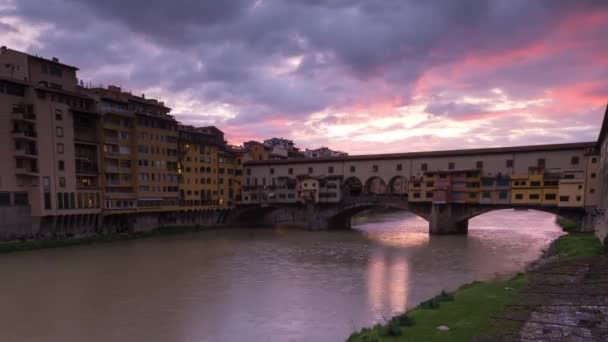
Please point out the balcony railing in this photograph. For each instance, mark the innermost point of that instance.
(28, 135)
(23, 116)
(27, 171)
(26, 153)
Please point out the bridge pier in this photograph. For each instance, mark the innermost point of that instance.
(445, 220)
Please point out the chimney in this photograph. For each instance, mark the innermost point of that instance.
(55, 59)
(3, 49)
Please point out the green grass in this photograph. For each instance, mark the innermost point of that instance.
(467, 314)
(566, 224)
(576, 245)
(21, 246)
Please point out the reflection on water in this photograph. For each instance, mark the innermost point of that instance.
(256, 285)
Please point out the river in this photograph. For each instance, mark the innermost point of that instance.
(255, 284)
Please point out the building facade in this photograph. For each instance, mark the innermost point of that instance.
(548, 175)
(79, 158)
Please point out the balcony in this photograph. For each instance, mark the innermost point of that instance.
(25, 135)
(111, 169)
(28, 153)
(27, 171)
(22, 116)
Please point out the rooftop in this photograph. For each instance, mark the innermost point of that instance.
(431, 154)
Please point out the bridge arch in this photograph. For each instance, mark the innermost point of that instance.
(375, 185)
(352, 187)
(341, 217)
(397, 185)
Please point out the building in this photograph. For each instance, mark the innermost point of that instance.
(89, 159)
(49, 144)
(602, 176)
(198, 164)
(257, 151)
(139, 155)
(523, 175)
(323, 152)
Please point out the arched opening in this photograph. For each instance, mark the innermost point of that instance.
(397, 186)
(375, 186)
(525, 221)
(354, 215)
(352, 187)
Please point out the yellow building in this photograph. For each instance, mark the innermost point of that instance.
(472, 186)
(415, 190)
(199, 176)
(571, 189)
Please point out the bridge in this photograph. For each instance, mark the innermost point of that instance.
(446, 188)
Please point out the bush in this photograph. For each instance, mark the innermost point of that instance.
(431, 304)
(403, 320)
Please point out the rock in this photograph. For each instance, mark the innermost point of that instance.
(443, 328)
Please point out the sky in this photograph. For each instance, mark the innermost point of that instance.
(360, 76)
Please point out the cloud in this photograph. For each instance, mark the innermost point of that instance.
(408, 71)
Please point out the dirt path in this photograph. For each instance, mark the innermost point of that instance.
(563, 301)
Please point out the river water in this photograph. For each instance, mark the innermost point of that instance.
(255, 285)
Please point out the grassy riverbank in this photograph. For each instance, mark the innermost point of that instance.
(29, 245)
(469, 310)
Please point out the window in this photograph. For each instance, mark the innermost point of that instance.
(374, 168)
(271, 171)
(310, 170)
(574, 160)
(61, 165)
(5, 199)
(399, 167)
(330, 169)
(60, 148)
(353, 168)
(290, 171)
(59, 131)
(485, 194)
(550, 197)
(21, 198)
(472, 195)
(578, 198)
(534, 196)
(423, 167)
(519, 196)
(591, 191)
(564, 198)
(59, 200)
(509, 163)
(540, 162)
(502, 195)
(594, 160)
(429, 194)
(248, 171)
(62, 182)
(535, 183)
(58, 114)
(593, 175)
(479, 165)
(451, 166)
(416, 195)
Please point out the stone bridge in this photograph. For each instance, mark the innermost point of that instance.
(452, 218)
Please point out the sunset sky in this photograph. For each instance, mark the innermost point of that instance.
(361, 76)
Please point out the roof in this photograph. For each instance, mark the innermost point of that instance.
(431, 154)
(604, 129)
(64, 92)
(54, 62)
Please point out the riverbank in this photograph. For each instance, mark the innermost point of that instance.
(488, 310)
(28, 245)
